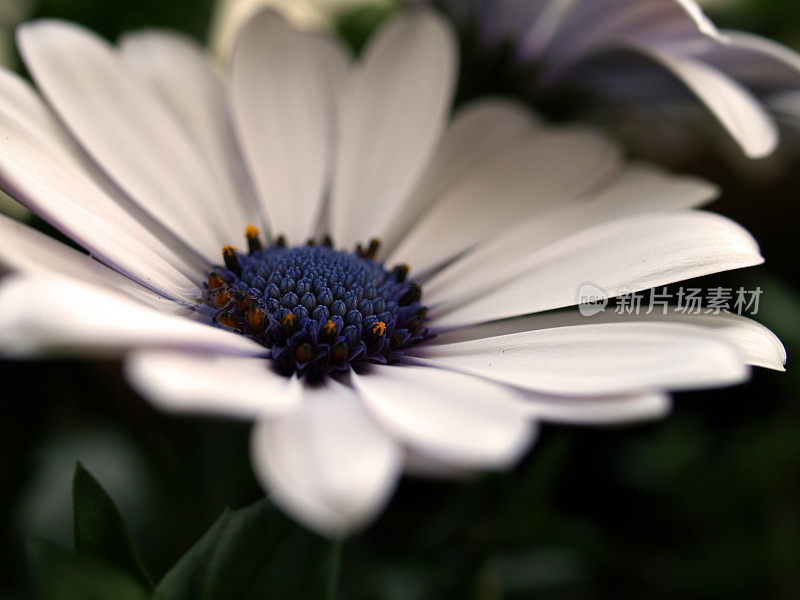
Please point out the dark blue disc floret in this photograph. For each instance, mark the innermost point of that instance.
(317, 310)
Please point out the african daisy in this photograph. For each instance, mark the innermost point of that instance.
(315, 246)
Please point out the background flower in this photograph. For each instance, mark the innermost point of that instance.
(652, 70)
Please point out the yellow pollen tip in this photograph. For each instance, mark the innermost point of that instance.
(255, 319)
(228, 320)
(379, 328)
(252, 231)
(228, 249)
(215, 281)
(222, 298)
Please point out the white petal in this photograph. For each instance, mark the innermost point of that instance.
(755, 61)
(758, 345)
(596, 359)
(476, 133)
(126, 128)
(678, 38)
(231, 16)
(638, 189)
(283, 106)
(180, 71)
(26, 116)
(598, 410)
(29, 251)
(730, 103)
(539, 173)
(622, 256)
(448, 416)
(47, 315)
(393, 111)
(38, 170)
(598, 24)
(230, 386)
(648, 187)
(20, 102)
(336, 61)
(327, 463)
(543, 30)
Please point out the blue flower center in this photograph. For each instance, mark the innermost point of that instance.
(317, 310)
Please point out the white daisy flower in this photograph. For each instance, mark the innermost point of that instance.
(650, 66)
(431, 351)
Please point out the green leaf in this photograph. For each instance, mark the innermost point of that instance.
(62, 575)
(250, 554)
(100, 530)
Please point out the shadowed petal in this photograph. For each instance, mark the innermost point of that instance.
(539, 173)
(475, 135)
(449, 416)
(327, 464)
(228, 386)
(622, 256)
(126, 128)
(179, 69)
(51, 315)
(283, 104)
(392, 112)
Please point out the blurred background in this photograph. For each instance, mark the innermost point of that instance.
(705, 504)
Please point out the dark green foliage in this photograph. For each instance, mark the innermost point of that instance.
(248, 554)
(100, 530)
(62, 575)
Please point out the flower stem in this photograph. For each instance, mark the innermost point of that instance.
(334, 569)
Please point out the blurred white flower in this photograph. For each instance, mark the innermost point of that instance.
(320, 15)
(159, 164)
(657, 69)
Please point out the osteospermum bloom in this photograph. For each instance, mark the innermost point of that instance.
(657, 69)
(315, 246)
